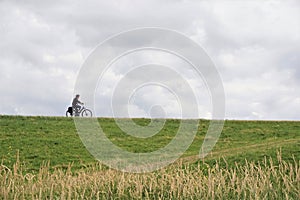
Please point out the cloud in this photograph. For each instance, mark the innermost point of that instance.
(254, 44)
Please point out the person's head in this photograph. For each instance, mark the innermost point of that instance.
(77, 96)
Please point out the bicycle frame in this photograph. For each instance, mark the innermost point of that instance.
(79, 111)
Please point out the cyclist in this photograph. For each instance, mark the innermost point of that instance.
(76, 104)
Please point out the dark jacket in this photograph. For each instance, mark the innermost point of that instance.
(75, 102)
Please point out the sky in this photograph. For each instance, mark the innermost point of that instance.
(255, 46)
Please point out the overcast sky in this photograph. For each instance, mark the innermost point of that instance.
(255, 46)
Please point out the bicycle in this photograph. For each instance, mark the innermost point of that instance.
(83, 112)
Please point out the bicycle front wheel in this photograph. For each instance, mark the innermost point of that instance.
(87, 113)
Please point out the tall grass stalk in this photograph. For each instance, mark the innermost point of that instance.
(260, 180)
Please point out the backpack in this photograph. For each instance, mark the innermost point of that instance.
(70, 110)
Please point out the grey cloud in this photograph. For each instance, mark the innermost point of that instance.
(255, 46)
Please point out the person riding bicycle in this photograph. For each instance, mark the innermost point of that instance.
(76, 104)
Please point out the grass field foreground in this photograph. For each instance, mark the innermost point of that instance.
(44, 158)
(262, 180)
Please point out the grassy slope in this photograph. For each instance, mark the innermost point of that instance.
(41, 139)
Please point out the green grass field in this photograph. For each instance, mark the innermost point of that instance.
(54, 140)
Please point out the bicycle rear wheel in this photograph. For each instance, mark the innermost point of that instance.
(68, 114)
(87, 113)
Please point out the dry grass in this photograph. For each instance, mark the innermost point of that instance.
(264, 180)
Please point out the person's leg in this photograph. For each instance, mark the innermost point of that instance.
(77, 109)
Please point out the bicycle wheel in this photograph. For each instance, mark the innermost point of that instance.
(68, 114)
(87, 113)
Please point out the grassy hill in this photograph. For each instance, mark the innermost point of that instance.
(43, 158)
(55, 139)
